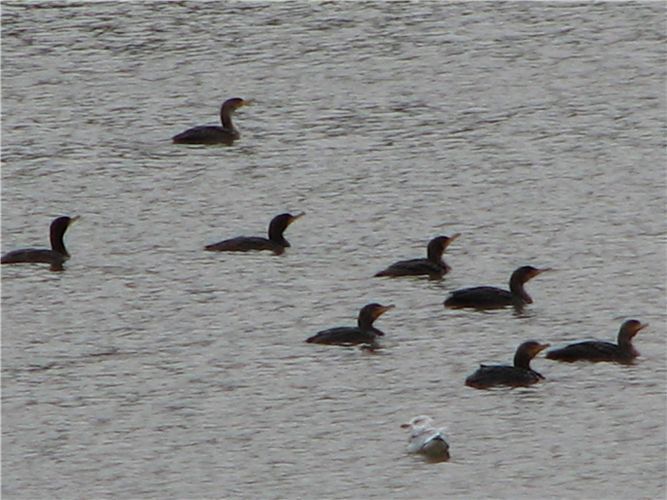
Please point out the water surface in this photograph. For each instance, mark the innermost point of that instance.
(150, 368)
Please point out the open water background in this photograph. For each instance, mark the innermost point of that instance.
(152, 369)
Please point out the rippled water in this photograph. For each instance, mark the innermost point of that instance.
(150, 368)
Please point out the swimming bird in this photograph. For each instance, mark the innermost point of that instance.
(213, 134)
(276, 242)
(427, 440)
(489, 297)
(56, 256)
(432, 265)
(598, 350)
(363, 333)
(521, 374)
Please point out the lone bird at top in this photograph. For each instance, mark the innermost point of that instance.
(215, 134)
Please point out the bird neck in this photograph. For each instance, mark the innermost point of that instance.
(522, 360)
(625, 343)
(517, 289)
(276, 235)
(434, 254)
(366, 324)
(226, 118)
(57, 244)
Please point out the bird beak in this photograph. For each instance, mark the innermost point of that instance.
(386, 308)
(247, 102)
(542, 348)
(543, 270)
(297, 216)
(72, 220)
(641, 326)
(452, 238)
(405, 426)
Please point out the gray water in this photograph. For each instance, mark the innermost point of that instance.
(152, 369)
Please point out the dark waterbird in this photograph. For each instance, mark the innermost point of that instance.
(275, 243)
(518, 375)
(598, 350)
(433, 266)
(363, 333)
(56, 256)
(489, 297)
(214, 134)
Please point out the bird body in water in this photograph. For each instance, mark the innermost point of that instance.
(433, 266)
(363, 333)
(427, 440)
(598, 350)
(56, 255)
(518, 375)
(213, 134)
(275, 243)
(488, 297)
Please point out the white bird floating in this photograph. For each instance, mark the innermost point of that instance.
(427, 440)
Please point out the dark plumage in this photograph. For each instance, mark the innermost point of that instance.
(598, 350)
(489, 297)
(213, 134)
(363, 333)
(56, 256)
(432, 265)
(521, 374)
(275, 243)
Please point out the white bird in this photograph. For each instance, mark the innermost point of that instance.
(427, 440)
